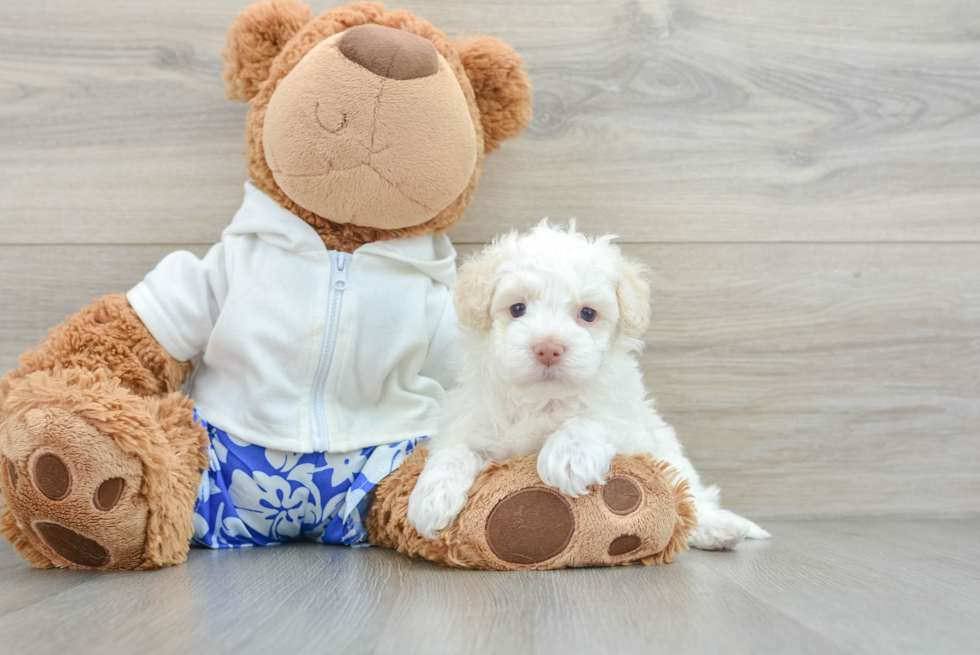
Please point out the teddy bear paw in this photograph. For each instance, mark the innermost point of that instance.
(514, 521)
(74, 496)
(620, 522)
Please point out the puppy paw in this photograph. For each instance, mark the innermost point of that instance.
(433, 506)
(719, 529)
(572, 465)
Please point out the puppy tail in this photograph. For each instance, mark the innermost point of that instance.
(709, 497)
(755, 532)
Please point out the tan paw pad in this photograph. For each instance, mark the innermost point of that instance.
(621, 495)
(52, 477)
(108, 494)
(12, 474)
(623, 544)
(530, 526)
(72, 546)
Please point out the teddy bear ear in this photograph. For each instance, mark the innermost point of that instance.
(502, 87)
(254, 39)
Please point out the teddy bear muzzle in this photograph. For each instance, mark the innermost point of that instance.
(371, 128)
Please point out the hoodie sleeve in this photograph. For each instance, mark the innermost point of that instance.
(179, 300)
(441, 361)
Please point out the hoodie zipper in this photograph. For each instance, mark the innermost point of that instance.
(340, 264)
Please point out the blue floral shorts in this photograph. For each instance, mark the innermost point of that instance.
(252, 495)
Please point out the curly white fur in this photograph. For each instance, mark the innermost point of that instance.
(579, 411)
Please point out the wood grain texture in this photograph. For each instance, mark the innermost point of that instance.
(829, 577)
(828, 379)
(42, 285)
(663, 120)
(822, 587)
(807, 380)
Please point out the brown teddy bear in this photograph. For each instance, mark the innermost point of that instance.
(319, 329)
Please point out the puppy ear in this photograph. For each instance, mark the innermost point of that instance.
(475, 287)
(502, 87)
(254, 39)
(633, 293)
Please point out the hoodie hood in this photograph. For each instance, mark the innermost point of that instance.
(260, 215)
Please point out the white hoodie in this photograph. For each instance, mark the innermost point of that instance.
(304, 349)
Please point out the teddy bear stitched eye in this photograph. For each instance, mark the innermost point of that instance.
(517, 310)
(587, 314)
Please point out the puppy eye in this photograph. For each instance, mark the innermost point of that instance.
(517, 310)
(587, 314)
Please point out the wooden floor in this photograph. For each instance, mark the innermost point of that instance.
(859, 586)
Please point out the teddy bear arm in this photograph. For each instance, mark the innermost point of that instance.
(106, 335)
(100, 454)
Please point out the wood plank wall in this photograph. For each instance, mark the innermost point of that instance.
(803, 178)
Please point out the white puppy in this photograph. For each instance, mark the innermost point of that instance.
(549, 366)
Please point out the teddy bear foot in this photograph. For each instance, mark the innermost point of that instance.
(512, 521)
(87, 477)
(72, 493)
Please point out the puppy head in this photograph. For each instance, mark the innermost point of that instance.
(551, 306)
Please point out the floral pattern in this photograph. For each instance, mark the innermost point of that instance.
(252, 495)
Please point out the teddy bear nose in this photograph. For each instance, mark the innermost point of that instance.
(549, 353)
(385, 51)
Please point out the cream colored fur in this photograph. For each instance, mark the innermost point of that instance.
(578, 413)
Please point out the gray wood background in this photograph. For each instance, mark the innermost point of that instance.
(803, 177)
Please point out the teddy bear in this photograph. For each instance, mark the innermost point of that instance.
(278, 388)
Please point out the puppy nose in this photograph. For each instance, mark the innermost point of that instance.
(391, 53)
(549, 353)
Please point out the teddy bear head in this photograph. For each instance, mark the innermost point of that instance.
(369, 123)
